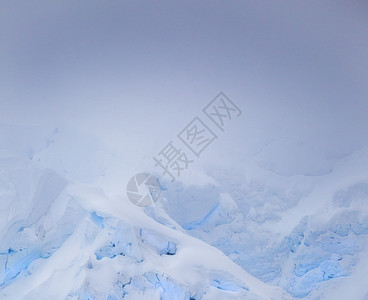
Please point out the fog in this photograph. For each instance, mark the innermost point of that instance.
(133, 74)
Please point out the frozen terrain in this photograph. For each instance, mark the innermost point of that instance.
(64, 240)
(271, 202)
(271, 233)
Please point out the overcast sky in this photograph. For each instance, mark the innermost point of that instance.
(144, 69)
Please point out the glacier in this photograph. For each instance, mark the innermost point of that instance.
(271, 236)
(263, 108)
(54, 230)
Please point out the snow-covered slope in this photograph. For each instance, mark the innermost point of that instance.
(271, 231)
(69, 241)
(306, 234)
(271, 193)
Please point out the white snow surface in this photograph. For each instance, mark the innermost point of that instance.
(267, 229)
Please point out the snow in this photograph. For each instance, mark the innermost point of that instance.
(101, 247)
(275, 208)
(296, 236)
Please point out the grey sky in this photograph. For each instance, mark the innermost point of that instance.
(124, 69)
